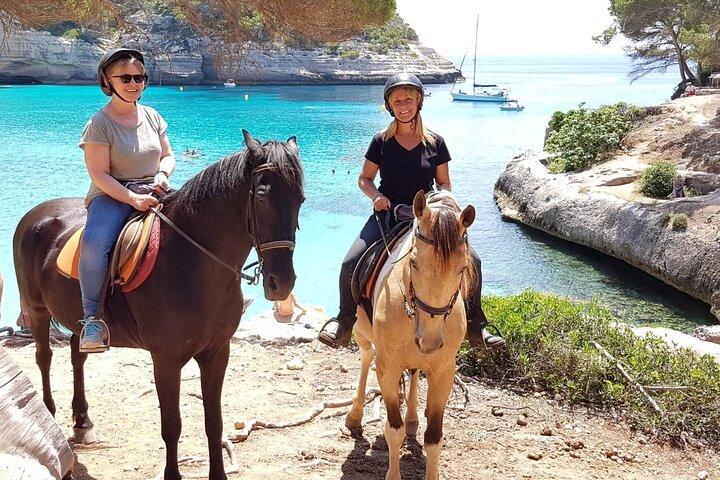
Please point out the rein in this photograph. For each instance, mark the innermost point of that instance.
(253, 279)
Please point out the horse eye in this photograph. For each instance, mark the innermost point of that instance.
(261, 192)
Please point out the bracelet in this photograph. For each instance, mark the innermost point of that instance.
(376, 196)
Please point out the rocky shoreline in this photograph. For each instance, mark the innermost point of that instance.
(602, 209)
(38, 57)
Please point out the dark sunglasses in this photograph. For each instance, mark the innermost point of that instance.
(135, 78)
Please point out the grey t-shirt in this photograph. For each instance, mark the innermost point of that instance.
(134, 151)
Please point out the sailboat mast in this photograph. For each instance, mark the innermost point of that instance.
(477, 22)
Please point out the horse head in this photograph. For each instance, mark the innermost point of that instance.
(441, 267)
(276, 180)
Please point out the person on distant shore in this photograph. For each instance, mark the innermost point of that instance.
(286, 308)
(678, 187)
(409, 158)
(125, 146)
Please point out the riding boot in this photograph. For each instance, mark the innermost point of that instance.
(478, 328)
(337, 332)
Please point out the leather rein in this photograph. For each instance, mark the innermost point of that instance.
(253, 279)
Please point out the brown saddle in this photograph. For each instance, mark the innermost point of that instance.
(366, 271)
(128, 254)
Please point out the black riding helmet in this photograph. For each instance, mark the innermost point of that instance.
(403, 80)
(111, 57)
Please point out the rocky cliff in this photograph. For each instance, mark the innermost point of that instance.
(602, 209)
(33, 56)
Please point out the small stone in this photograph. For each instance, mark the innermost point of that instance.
(703, 475)
(498, 412)
(521, 421)
(295, 364)
(239, 425)
(534, 456)
(343, 368)
(546, 431)
(574, 454)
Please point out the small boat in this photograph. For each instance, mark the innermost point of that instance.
(481, 92)
(229, 83)
(511, 106)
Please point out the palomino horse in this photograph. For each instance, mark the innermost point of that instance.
(418, 323)
(190, 305)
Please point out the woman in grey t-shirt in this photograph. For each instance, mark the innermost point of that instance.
(123, 142)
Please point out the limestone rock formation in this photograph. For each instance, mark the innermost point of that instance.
(176, 55)
(600, 209)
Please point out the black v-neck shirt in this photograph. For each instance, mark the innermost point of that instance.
(404, 172)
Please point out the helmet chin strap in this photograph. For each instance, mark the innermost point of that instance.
(409, 121)
(115, 92)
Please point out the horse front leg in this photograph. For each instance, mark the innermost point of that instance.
(212, 374)
(83, 427)
(411, 416)
(394, 432)
(354, 417)
(167, 383)
(439, 386)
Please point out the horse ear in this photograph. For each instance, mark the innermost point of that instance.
(419, 204)
(467, 217)
(252, 144)
(292, 140)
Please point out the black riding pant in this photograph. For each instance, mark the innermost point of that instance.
(369, 234)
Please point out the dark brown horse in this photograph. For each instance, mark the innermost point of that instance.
(190, 305)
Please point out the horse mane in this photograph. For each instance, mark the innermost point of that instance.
(445, 231)
(229, 173)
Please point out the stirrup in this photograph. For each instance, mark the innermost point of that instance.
(334, 341)
(497, 333)
(106, 341)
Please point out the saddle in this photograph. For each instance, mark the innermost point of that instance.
(364, 277)
(133, 256)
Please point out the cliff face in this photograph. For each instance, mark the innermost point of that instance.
(32, 56)
(602, 209)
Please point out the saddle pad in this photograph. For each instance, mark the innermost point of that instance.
(130, 246)
(69, 258)
(366, 270)
(126, 256)
(147, 262)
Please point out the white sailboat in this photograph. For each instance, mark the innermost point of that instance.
(481, 92)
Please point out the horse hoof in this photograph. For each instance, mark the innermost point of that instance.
(85, 435)
(353, 423)
(411, 428)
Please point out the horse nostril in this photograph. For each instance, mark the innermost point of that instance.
(417, 342)
(272, 283)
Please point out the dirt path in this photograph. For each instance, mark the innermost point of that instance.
(499, 434)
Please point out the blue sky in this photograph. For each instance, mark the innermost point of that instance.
(511, 27)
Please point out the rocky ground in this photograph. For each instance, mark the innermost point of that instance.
(490, 432)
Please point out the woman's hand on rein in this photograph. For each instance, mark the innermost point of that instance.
(161, 182)
(381, 202)
(143, 202)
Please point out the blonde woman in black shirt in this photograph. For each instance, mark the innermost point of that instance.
(409, 158)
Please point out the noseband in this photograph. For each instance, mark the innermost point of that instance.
(414, 301)
(260, 247)
(253, 279)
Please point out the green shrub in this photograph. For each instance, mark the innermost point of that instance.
(657, 180)
(582, 137)
(678, 221)
(72, 34)
(394, 34)
(550, 348)
(350, 54)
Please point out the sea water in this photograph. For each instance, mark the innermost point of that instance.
(40, 160)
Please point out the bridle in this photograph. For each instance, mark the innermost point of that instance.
(253, 279)
(253, 229)
(414, 301)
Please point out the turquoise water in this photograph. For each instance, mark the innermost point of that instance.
(40, 127)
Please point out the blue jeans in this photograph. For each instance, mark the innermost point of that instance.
(105, 219)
